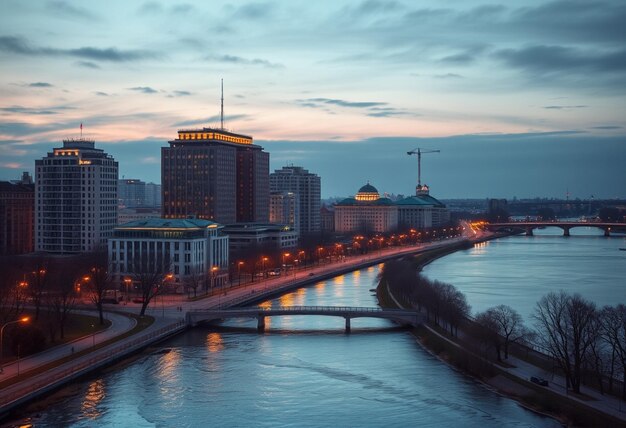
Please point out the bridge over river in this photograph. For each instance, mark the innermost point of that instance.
(401, 316)
(565, 225)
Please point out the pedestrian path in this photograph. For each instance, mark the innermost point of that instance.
(120, 324)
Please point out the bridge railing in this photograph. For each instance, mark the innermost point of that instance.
(258, 309)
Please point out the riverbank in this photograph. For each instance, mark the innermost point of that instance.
(510, 378)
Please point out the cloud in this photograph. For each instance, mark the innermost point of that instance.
(179, 94)
(150, 7)
(232, 59)
(447, 76)
(461, 58)
(27, 110)
(11, 165)
(65, 9)
(564, 107)
(314, 102)
(388, 112)
(607, 127)
(20, 46)
(87, 64)
(40, 85)
(254, 11)
(150, 160)
(547, 59)
(101, 94)
(209, 120)
(143, 89)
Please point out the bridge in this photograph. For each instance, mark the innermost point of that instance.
(565, 225)
(401, 316)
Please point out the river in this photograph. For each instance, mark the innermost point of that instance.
(519, 270)
(302, 372)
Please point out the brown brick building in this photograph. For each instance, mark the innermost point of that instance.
(17, 217)
(215, 175)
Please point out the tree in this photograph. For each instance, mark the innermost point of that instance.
(613, 321)
(61, 300)
(98, 280)
(507, 325)
(566, 328)
(610, 214)
(150, 276)
(39, 271)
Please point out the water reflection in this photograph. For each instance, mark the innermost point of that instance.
(93, 397)
(214, 342)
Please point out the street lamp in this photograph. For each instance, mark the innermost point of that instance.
(263, 260)
(127, 282)
(239, 264)
(23, 319)
(214, 270)
(285, 255)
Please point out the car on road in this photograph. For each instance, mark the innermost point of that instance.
(312, 273)
(539, 381)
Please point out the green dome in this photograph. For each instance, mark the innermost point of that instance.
(368, 188)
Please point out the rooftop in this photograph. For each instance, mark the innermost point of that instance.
(169, 223)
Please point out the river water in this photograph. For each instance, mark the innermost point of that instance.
(302, 372)
(519, 270)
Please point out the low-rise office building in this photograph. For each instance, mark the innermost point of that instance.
(260, 236)
(193, 251)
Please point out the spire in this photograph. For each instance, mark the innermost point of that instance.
(222, 108)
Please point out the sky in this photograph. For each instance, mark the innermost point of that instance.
(523, 99)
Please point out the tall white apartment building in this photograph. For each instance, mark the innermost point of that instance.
(75, 198)
(307, 187)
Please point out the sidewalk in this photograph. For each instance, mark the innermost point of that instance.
(120, 324)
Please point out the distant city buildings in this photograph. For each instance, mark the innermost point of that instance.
(125, 215)
(285, 209)
(17, 216)
(75, 198)
(260, 236)
(134, 193)
(307, 187)
(367, 212)
(193, 251)
(215, 175)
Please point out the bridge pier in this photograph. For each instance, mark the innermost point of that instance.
(347, 325)
(260, 326)
(566, 231)
(529, 231)
(607, 231)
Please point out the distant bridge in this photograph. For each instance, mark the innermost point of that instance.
(565, 225)
(404, 317)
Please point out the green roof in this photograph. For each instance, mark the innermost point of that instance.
(166, 223)
(368, 188)
(423, 200)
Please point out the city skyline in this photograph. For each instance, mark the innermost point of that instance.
(521, 101)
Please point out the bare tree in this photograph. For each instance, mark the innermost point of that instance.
(99, 280)
(39, 273)
(61, 300)
(566, 329)
(150, 275)
(195, 279)
(614, 331)
(507, 323)
(13, 290)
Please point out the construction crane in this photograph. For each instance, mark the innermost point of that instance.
(419, 152)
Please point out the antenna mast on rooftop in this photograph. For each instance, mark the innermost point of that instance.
(222, 108)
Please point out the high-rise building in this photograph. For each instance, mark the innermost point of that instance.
(131, 192)
(215, 175)
(17, 216)
(75, 198)
(153, 195)
(284, 209)
(307, 186)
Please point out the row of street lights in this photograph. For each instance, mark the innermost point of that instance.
(23, 320)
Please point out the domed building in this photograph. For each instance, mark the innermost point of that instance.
(367, 212)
